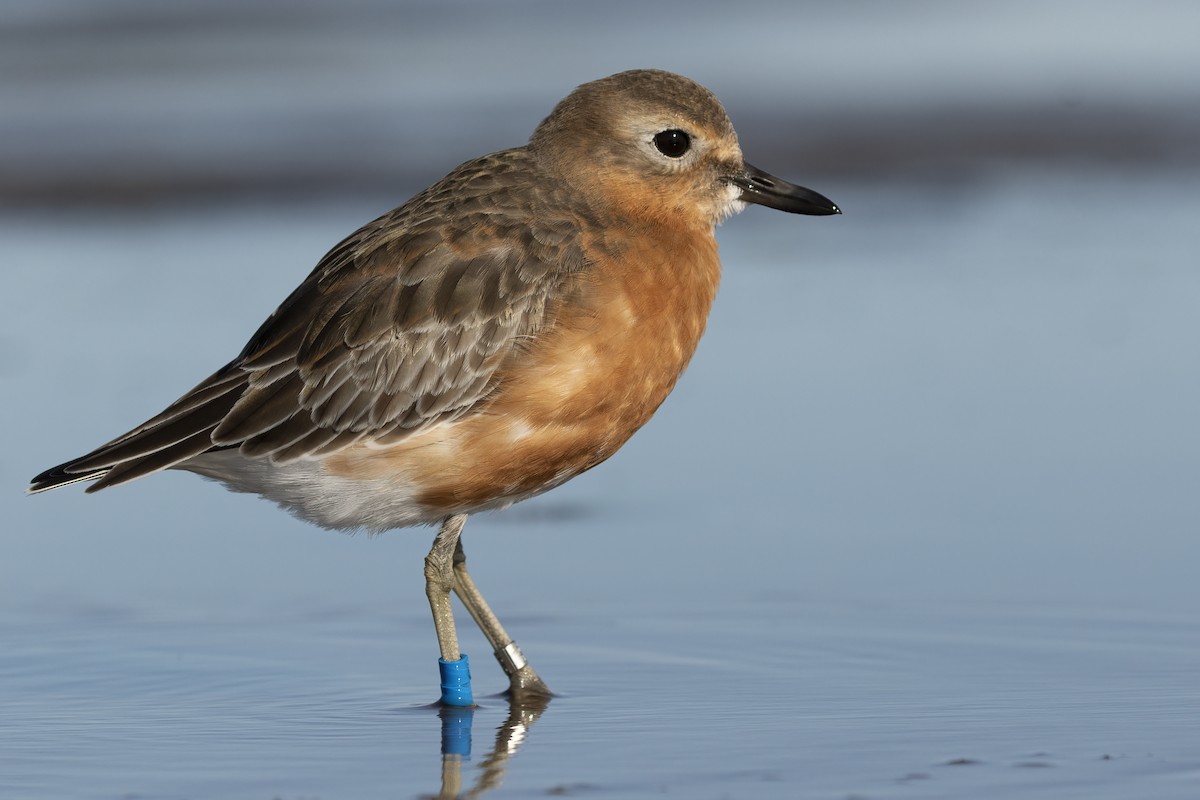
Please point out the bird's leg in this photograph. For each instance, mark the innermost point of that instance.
(522, 679)
(453, 666)
(439, 581)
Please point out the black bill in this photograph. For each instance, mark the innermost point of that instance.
(767, 190)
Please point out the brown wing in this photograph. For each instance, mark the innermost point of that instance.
(401, 325)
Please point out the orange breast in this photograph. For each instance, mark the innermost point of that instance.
(574, 397)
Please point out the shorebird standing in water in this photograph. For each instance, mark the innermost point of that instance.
(503, 331)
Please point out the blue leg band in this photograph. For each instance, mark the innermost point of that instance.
(456, 682)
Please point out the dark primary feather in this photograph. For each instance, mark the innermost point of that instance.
(402, 324)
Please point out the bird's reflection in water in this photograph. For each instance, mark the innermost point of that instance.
(523, 711)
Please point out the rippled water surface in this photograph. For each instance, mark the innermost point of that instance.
(761, 698)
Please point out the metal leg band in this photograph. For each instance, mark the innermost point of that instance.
(510, 658)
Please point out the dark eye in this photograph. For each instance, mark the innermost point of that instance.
(672, 143)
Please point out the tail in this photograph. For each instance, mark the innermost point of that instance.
(58, 476)
(180, 432)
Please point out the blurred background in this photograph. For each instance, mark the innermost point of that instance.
(993, 352)
(975, 390)
(124, 102)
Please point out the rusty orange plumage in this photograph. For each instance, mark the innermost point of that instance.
(503, 331)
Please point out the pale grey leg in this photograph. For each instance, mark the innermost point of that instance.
(439, 581)
(521, 677)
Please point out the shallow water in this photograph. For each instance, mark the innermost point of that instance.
(770, 699)
(920, 521)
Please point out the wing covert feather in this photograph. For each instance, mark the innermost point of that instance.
(406, 322)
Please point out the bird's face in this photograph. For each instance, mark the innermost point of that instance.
(660, 148)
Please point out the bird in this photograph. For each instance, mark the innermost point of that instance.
(501, 332)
